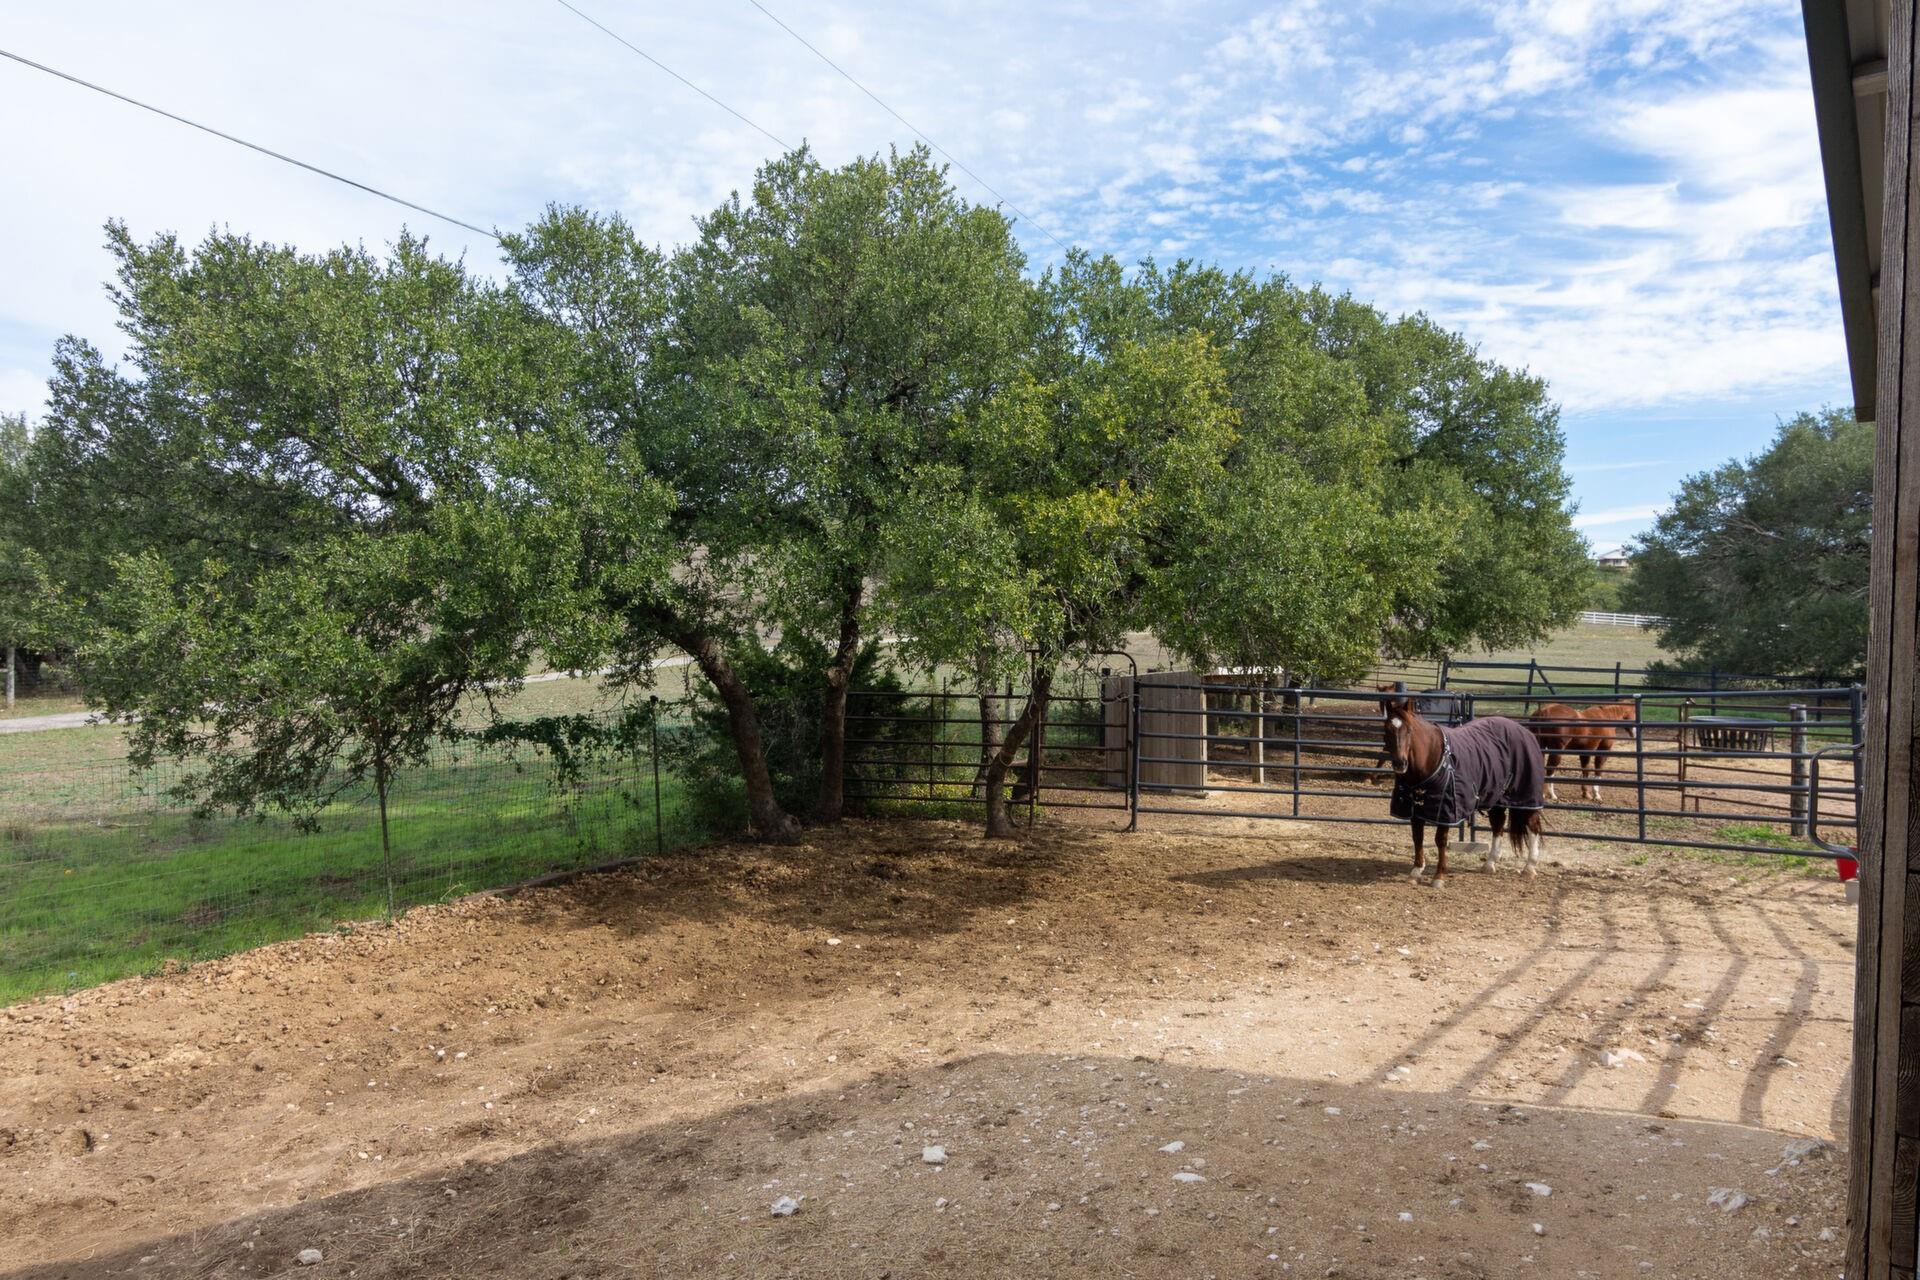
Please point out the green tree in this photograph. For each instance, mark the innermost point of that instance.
(1115, 486)
(836, 328)
(786, 373)
(1761, 565)
(27, 606)
(1337, 387)
(605, 296)
(383, 480)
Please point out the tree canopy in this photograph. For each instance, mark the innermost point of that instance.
(1761, 565)
(317, 511)
(331, 496)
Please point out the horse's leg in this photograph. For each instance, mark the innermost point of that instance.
(1553, 764)
(1533, 843)
(1440, 847)
(1419, 848)
(1517, 831)
(1497, 822)
(1602, 753)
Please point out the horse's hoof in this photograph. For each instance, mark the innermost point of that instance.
(1488, 866)
(1533, 873)
(1439, 882)
(1416, 876)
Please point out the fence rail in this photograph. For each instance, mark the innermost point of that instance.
(1550, 681)
(1601, 618)
(1766, 771)
(1776, 777)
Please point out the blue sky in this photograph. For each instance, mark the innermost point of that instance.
(1622, 195)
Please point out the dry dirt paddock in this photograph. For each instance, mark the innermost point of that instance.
(1153, 1055)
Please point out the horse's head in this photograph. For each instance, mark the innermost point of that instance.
(1398, 724)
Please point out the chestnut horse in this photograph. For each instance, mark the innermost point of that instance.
(1587, 732)
(1443, 776)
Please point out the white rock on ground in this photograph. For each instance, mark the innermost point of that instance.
(1805, 1149)
(933, 1155)
(1188, 1175)
(1540, 1188)
(785, 1207)
(1727, 1199)
(308, 1257)
(1619, 1057)
(1173, 1147)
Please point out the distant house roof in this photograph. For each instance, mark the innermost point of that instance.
(1612, 553)
(1847, 53)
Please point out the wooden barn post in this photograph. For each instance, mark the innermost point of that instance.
(1861, 56)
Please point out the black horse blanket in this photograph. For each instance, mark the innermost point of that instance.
(1486, 764)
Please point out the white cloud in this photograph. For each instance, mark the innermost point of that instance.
(1622, 195)
(1618, 516)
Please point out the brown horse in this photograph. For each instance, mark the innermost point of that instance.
(1586, 732)
(1492, 765)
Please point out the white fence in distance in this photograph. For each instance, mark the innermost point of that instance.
(1622, 619)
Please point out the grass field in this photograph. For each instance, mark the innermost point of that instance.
(60, 748)
(101, 874)
(41, 704)
(1585, 645)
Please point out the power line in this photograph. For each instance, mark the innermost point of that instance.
(251, 146)
(951, 158)
(670, 71)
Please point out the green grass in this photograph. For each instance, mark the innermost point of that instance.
(39, 704)
(1584, 645)
(101, 876)
(1785, 862)
(58, 749)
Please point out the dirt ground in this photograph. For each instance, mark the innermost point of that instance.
(1149, 1055)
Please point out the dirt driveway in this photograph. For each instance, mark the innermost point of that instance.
(1140, 1056)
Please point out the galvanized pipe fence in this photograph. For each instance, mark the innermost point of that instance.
(1752, 771)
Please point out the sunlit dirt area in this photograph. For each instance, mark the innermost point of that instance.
(1252, 1053)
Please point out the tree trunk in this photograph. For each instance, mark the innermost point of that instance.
(833, 710)
(1029, 788)
(989, 718)
(765, 818)
(999, 824)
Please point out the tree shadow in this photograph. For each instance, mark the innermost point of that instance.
(1356, 869)
(1052, 1165)
(882, 878)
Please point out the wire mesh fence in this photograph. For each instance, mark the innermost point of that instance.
(105, 871)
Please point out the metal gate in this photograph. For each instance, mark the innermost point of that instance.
(911, 750)
(1770, 771)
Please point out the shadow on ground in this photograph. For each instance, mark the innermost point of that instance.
(1058, 1165)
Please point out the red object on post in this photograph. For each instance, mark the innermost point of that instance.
(1849, 868)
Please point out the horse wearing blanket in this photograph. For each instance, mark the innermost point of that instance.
(1444, 776)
